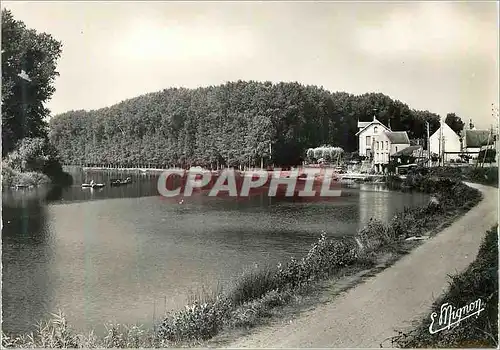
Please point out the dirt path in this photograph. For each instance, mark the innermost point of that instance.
(371, 312)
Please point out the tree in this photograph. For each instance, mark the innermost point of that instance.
(235, 124)
(28, 72)
(454, 122)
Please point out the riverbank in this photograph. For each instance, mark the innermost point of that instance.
(371, 313)
(260, 291)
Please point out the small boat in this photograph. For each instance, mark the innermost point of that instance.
(118, 182)
(92, 185)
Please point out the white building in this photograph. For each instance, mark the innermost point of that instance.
(367, 132)
(388, 143)
(377, 142)
(445, 142)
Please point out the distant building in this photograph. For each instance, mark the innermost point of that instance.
(474, 139)
(367, 132)
(388, 143)
(445, 142)
(409, 155)
(377, 142)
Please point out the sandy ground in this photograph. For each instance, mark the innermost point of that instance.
(373, 311)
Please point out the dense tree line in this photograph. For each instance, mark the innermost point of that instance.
(229, 125)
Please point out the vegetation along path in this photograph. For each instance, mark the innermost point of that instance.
(375, 310)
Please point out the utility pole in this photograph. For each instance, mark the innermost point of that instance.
(428, 145)
(440, 140)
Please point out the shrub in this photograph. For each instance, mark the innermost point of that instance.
(197, 322)
(33, 156)
(252, 284)
(11, 177)
(247, 315)
(374, 235)
(54, 333)
(324, 257)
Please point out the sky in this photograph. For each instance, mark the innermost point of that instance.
(436, 56)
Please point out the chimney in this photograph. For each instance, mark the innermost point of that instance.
(389, 123)
(471, 126)
(374, 117)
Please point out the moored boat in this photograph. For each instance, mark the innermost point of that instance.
(118, 182)
(92, 185)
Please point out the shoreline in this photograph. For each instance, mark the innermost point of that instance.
(379, 300)
(379, 253)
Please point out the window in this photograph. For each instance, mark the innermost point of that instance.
(375, 129)
(368, 141)
(396, 148)
(386, 144)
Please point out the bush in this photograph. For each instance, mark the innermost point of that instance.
(252, 284)
(324, 257)
(197, 322)
(33, 156)
(374, 235)
(486, 175)
(11, 177)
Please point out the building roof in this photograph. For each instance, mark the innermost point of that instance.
(361, 125)
(375, 121)
(477, 138)
(408, 151)
(398, 137)
(445, 126)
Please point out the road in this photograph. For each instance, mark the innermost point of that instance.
(369, 313)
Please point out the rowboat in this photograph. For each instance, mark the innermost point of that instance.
(92, 185)
(118, 182)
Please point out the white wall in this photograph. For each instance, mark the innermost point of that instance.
(472, 150)
(451, 142)
(382, 153)
(369, 131)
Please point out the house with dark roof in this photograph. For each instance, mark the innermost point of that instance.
(377, 142)
(474, 139)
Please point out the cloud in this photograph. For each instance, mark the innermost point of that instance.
(429, 30)
(150, 40)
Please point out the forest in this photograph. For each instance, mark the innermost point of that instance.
(239, 123)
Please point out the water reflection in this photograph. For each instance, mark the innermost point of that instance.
(27, 260)
(127, 256)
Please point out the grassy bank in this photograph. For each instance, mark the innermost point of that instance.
(485, 176)
(480, 280)
(258, 291)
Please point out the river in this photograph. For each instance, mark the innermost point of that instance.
(125, 254)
